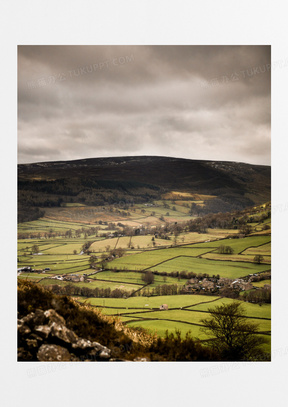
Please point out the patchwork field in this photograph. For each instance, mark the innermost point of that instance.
(63, 257)
(200, 258)
(184, 313)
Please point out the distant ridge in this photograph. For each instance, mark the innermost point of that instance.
(147, 177)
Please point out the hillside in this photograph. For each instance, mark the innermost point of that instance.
(99, 181)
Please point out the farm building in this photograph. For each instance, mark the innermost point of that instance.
(164, 307)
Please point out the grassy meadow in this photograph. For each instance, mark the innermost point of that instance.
(184, 313)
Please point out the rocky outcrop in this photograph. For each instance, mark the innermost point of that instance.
(43, 336)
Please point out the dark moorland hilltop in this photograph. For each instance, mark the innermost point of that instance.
(98, 181)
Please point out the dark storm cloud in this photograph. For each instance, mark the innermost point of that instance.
(204, 102)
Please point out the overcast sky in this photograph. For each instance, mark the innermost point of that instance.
(196, 102)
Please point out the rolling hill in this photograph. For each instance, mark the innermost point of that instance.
(98, 181)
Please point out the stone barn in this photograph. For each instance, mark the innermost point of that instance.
(164, 307)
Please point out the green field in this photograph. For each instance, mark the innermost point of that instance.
(174, 301)
(238, 245)
(185, 312)
(150, 258)
(186, 258)
(265, 250)
(228, 269)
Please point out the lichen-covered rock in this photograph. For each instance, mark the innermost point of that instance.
(105, 354)
(53, 316)
(39, 317)
(43, 330)
(53, 353)
(99, 347)
(43, 335)
(88, 350)
(82, 344)
(29, 319)
(22, 328)
(63, 333)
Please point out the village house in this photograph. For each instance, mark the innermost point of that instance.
(224, 281)
(241, 285)
(208, 285)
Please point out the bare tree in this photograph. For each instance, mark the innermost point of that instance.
(232, 336)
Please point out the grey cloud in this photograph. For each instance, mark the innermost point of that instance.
(152, 103)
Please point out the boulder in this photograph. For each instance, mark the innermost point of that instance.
(29, 319)
(53, 316)
(39, 317)
(63, 333)
(43, 335)
(53, 353)
(82, 344)
(43, 331)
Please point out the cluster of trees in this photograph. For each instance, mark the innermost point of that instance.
(148, 277)
(73, 289)
(162, 289)
(187, 275)
(222, 249)
(261, 276)
(258, 258)
(259, 296)
(85, 246)
(68, 234)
